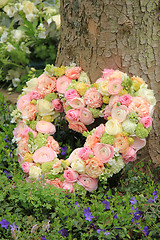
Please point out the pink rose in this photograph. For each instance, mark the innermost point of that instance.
(56, 182)
(26, 130)
(114, 86)
(85, 152)
(68, 186)
(104, 152)
(26, 166)
(58, 105)
(139, 105)
(77, 126)
(23, 101)
(86, 116)
(73, 115)
(46, 84)
(73, 72)
(90, 184)
(76, 103)
(44, 154)
(62, 83)
(93, 98)
(125, 99)
(146, 121)
(70, 94)
(119, 113)
(106, 112)
(74, 155)
(52, 143)
(45, 127)
(29, 112)
(34, 95)
(99, 131)
(129, 155)
(107, 73)
(113, 100)
(70, 175)
(138, 143)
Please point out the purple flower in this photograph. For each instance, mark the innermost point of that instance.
(87, 214)
(4, 223)
(7, 173)
(64, 151)
(106, 204)
(146, 230)
(115, 216)
(43, 238)
(13, 226)
(136, 215)
(105, 233)
(64, 232)
(77, 204)
(133, 201)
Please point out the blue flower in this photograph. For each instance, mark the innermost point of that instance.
(43, 238)
(13, 226)
(106, 204)
(7, 173)
(105, 233)
(137, 215)
(146, 230)
(87, 214)
(64, 232)
(4, 223)
(133, 201)
(64, 151)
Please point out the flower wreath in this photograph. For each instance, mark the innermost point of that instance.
(126, 104)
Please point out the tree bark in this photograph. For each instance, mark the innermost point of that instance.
(124, 35)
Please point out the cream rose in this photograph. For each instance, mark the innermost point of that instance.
(147, 94)
(78, 165)
(34, 172)
(31, 85)
(113, 127)
(44, 107)
(29, 7)
(103, 87)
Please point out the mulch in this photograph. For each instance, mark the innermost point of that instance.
(10, 96)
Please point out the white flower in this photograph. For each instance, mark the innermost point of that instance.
(17, 34)
(45, 107)
(15, 81)
(3, 3)
(10, 47)
(84, 78)
(78, 165)
(34, 172)
(10, 10)
(31, 85)
(113, 127)
(129, 126)
(29, 7)
(4, 36)
(42, 35)
(24, 48)
(103, 87)
(30, 17)
(18, 6)
(57, 20)
(148, 94)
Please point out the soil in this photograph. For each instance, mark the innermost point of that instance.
(11, 96)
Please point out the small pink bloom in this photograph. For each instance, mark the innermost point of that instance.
(74, 155)
(34, 95)
(77, 126)
(90, 184)
(52, 143)
(68, 186)
(93, 98)
(138, 143)
(86, 116)
(85, 152)
(23, 101)
(70, 175)
(73, 72)
(76, 103)
(104, 152)
(129, 156)
(106, 112)
(113, 100)
(125, 99)
(44, 154)
(99, 131)
(62, 83)
(26, 166)
(73, 115)
(146, 121)
(107, 73)
(45, 127)
(119, 113)
(58, 105)
(70, 94)
(114, 86)
(26, 130)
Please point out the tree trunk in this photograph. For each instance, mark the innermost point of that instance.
(124, 35)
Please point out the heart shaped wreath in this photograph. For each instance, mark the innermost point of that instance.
(126, 105)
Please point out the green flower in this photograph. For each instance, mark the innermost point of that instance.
(107, 139)
(141, 131)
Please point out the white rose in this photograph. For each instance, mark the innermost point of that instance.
(103, 87)
(78, 166)
(84, 78)
(17, 34)
(29, 7)
(44, 107)
(31, 85)
(10, 11)
(113, 127)
(34, 172)
(129, 126)
(147, 94)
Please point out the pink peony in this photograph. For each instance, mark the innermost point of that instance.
(45, 127)
(119, 113)
(74, 155)
(34, 95)
(129, 155)
(26, 166)
(23, 101)
(29, 112)
(138, 143)
(46, 84)
(44, 154)
(114, 86)
(125, 99)
(73, 115)
(104, 152)
(56, 182)
(76, 103)
(139, 105)
(90, 184)
(93, 98)
(70, 175)
(70, 94)
(107, 73)
(86, 116)
(73, 72)
(106, 112)
(99, 131)
(94, 167)
(22, 147)
(58, 105)
(146, 121)
(26, 130)
(52, 143)
(77, 126)
(85, 152)
(62, 83)
(68, 186)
